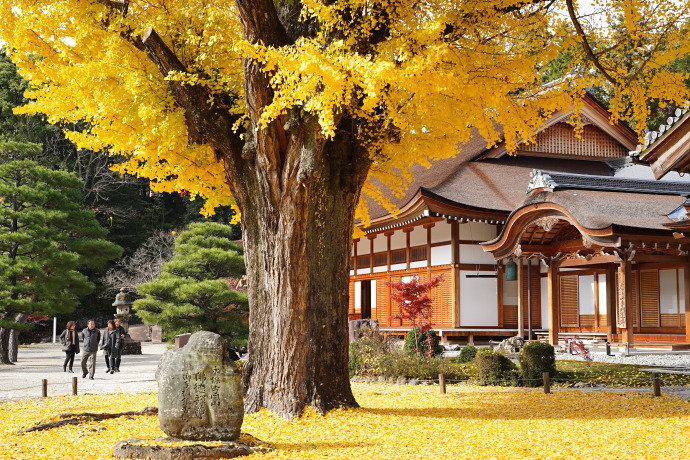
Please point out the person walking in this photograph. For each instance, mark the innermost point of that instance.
(122, 344)
(70, 343)
(104, 346)
(113, 344)
(91, 337)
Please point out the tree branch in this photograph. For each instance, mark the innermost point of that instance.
(260, 22)
(585, 43)
(205, 123)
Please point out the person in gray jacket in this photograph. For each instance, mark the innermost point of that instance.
(91, 337)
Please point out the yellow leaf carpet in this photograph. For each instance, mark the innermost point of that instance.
(394, 422)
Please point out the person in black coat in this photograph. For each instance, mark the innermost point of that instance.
(69, 338)
(111, 344)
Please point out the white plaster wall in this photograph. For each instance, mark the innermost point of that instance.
(363, 271)
(373, 294)
(441, 255)
(585, 297)
(668, 294)
(398, 267)
(418, 264)
(474, 254)
(380, 269)
(477, 231)
(544, 302)
(358, 296)
(398, 240)
(352, 273)
(478, 300)
(603, 300)
(440, 232)
(363, 247)
(510, 292)
(418, 236)
(380, 243)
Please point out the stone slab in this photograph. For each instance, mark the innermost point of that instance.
(178, 449)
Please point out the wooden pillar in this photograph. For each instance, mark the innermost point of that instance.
(388, 250)
(521, 301)
(407, 246)
(354, 264)
(686, 287)
(455, 260)
(428, 244)
(625, 313)
(553, 302)
(611, 300)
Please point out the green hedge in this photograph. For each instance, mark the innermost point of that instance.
(494, 368)
(535, 359)
(467, 354)
(421, 339)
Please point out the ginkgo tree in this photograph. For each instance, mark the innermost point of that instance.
(285, 108)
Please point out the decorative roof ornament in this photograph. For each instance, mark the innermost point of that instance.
(547, 223)
(539, 180)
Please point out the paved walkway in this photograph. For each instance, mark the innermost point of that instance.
(44, 361)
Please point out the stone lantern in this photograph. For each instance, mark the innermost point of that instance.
(123, 304)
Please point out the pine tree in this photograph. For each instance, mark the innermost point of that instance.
(45, 239)
(193, 291)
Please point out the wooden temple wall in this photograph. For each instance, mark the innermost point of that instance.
(471, 293)
(658, 299)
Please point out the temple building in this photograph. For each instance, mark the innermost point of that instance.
(595, 241)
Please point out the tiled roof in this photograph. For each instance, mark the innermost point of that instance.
(560, 181)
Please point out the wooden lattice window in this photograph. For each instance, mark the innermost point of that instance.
(649, 298)
(398, 256)
(417, 253)
(380, 259)
(364, 261)
(570, 316)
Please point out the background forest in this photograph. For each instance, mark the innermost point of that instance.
(140, 221)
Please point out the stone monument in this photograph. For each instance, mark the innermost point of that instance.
(199, 400)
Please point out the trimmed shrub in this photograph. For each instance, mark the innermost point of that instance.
(494, 368)
(399, 364)
(367, 351)
(535, 359)
(467, 354)
(417, 336)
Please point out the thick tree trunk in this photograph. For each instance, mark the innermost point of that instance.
(13, 346)
(297, 252)
(5, 346)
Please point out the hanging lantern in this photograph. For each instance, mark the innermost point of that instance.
(511, 271)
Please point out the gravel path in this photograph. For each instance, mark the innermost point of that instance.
(44, 361)
(661, 359)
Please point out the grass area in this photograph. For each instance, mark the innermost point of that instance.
(396, 422)
(611, 374)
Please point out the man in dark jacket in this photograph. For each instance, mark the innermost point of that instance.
(119, 350)
(91, 337)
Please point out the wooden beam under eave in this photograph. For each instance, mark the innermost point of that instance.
(611, 300)
(583, 261)
(552, 276)
(521, 302)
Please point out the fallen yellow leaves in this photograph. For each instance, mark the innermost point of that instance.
(395, 422)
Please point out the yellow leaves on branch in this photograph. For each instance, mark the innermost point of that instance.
(400, 422)
(418, 76)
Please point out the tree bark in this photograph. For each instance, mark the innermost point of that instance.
(297, 252)
(13, 346)
(5, 346)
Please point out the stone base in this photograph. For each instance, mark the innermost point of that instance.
(180, 449)
(131, 347)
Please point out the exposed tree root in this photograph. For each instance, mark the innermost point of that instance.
(76, 419)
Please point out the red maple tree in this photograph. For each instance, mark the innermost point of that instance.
(415, 306)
